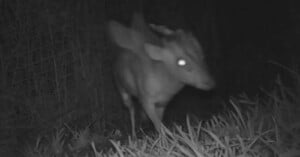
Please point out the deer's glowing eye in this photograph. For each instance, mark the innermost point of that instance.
(181, 62)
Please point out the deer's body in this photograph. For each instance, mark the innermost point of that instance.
(153, 69)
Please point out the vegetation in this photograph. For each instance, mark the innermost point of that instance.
(267, 127)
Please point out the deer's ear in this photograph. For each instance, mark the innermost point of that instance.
(154, 52)
(123, 36)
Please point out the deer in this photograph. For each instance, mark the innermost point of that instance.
(154, 64)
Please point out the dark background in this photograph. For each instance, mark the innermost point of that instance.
(56, 58)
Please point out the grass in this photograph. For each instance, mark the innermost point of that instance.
(268, 126)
